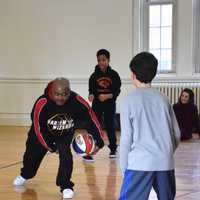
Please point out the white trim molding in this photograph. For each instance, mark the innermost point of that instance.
(15, 119)
(17, 113)
(77, 81)
(26, 80)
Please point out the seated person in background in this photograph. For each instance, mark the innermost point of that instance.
(187, 114)
(199, 121)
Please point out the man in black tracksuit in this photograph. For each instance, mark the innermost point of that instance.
(104, 87)
(54, 116)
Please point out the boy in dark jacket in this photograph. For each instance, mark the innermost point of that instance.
(54, 116)
(104, 88)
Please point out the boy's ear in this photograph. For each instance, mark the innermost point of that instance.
(133, 76)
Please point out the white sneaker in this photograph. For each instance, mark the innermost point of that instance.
(19, 181)
(20, 189)
(68, 194)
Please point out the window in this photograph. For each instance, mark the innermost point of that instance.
(196, 35)
(158, 32)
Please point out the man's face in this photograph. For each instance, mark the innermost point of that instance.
(60, 93)
(103, 62)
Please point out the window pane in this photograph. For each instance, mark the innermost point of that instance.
(154, 38)
(160, 34)
(166, 59)
(166, 37)
(156, 53)
(166, 15)
(154, 15)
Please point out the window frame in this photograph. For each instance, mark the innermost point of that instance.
(196, 36)
(144, 28)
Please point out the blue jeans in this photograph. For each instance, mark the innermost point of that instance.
(137, 185)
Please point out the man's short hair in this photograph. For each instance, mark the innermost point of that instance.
(144, 66)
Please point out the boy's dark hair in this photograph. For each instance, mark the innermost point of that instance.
(104, 52)
(144, 66)
(191, 95)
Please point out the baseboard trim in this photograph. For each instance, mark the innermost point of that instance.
(14, 119)
(41, 80)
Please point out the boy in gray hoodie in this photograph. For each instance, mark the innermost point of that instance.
(149, 136)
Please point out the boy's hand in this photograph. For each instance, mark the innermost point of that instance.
(91, 98)
(104, 97)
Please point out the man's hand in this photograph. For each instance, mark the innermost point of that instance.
(53, 148)
(95, 150)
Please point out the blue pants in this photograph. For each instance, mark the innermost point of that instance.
(137, 185)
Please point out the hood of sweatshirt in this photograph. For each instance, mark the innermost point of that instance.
(98, 70)
(48, 90)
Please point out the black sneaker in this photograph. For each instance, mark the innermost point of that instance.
(88, 159)
(113, 154)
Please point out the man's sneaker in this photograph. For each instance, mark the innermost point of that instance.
(88, 159)
(112, 154)
(20, 189)
(19, 181)
(68, 193)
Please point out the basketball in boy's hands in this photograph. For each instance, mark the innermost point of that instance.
(83, 144)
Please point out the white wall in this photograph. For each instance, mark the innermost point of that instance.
(184, 38)
(43, 39)
(48, 38)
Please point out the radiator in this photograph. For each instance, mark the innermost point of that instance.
(173, 90)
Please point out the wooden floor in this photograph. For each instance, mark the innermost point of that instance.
(98, 181)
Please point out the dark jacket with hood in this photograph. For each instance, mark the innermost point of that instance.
(104, 83)
(187, 117)
(50, 120)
